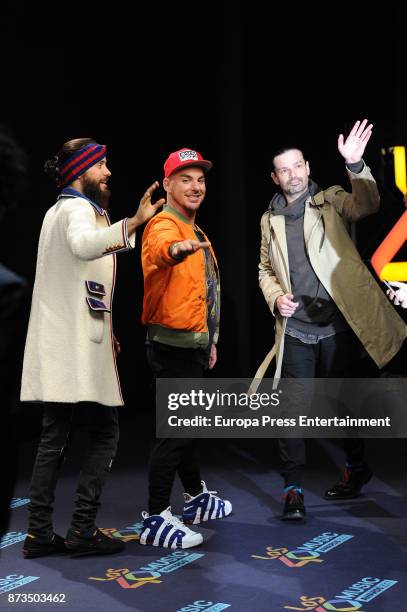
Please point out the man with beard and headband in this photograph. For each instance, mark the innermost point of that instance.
(327, 306)
(70, 353)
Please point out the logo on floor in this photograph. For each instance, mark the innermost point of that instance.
(309, 552)
(149, 574)
(128, 534)
(12, 537)
(14, 581)
(208, 606)
(16, 502)
(349, 600)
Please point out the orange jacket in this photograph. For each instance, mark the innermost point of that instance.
(174, 291)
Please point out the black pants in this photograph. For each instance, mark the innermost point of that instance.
(333, 357)
(171, 456)
(103, 427)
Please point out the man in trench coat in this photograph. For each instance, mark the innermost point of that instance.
(325, 302)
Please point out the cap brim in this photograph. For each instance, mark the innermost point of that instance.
(203, 163)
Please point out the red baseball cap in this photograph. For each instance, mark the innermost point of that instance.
(183, 158)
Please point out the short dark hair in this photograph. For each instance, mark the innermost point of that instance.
(284, 149)
(52, 166)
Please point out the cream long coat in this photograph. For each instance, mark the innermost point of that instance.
(338, 266)
(69, 354)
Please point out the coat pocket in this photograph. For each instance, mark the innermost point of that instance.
(95, 288)
(96, 321)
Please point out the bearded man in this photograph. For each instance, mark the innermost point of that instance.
(70, 352)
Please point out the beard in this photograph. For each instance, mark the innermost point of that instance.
(293, 190)
(93, 191)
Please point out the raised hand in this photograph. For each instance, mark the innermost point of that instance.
(146, 208)
(353, 147)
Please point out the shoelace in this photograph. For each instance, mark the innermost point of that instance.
(205, 490)
(214, 493)
(291, 493)
(175, 522)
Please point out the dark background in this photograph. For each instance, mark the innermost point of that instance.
(233, 82)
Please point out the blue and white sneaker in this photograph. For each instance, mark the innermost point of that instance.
(168, 531)
(204, 506)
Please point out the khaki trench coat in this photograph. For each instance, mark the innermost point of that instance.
(338, 266)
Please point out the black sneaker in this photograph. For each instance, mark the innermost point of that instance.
(93, 542)
(350, 484)
(294, 509)
(35, 546)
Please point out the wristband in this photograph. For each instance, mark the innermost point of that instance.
(170, 250)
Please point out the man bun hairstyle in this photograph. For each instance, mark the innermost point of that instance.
(52, 166)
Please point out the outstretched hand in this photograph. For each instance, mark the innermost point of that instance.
(179, 250)
(353, 147)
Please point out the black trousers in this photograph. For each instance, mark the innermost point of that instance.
(171, 456)
(103, 428)
(333, 357)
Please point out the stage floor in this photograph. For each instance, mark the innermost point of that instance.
(346, 556)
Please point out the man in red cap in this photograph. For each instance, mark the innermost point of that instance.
(181, 311)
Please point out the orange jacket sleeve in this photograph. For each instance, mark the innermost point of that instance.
(158, 236)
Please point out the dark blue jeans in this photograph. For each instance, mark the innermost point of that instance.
(103, 427)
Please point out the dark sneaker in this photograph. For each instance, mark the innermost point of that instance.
(294, 509)
(94, 542)
(35, 546)
(350, 484)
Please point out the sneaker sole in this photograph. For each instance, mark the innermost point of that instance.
(344, 498)
(35, 555)
(77, 552)
(195, 522)
(87, 553)
(190, 545)
(294, 517)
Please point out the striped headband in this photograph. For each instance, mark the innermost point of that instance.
(80, 161)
